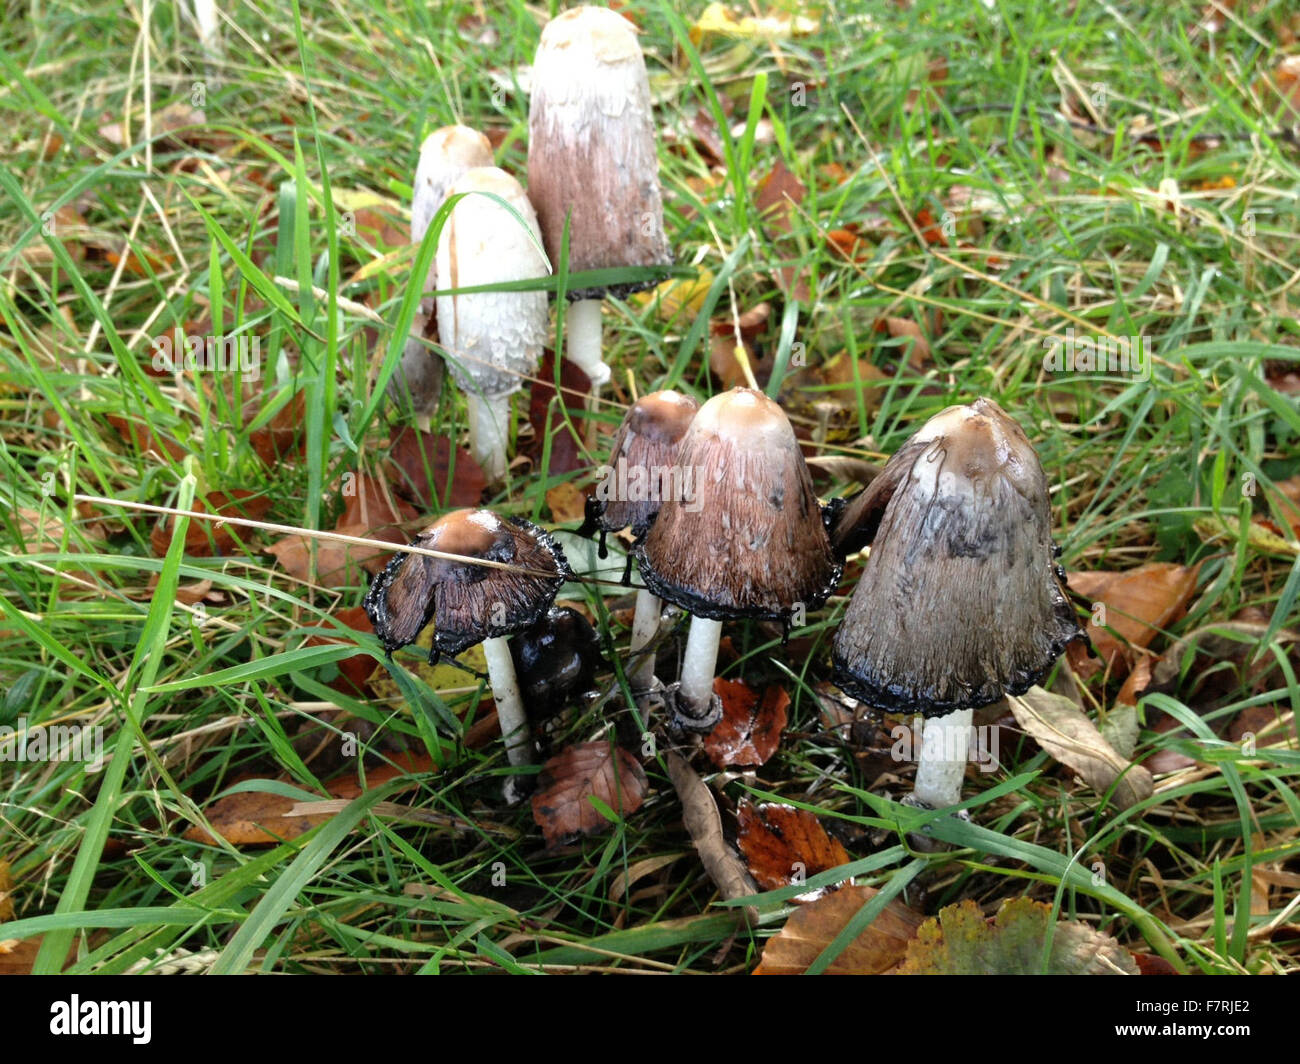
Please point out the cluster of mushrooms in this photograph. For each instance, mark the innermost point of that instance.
(593, 198)
(960, 600)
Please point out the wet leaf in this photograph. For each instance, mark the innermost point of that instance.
(1061, 728)
(783, 845)
(960, 941)
(778, 194)
(750, 730)
(282, 438)
(878, 949)
(569, 781)
(353, 673)
(370, 503)
(337, 564)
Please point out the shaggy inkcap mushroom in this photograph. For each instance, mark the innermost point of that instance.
(470, 602)
(492, 339)
(592, 161)
(750, 542)
(445, 155)
(960, 600)
(641, 474)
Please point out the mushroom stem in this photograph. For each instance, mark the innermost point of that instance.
(489, 425)
(583, 342)
(941, 767)
(645, 626)
(510, 702)
(696, 689)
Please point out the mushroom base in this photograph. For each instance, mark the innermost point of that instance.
(945, 749)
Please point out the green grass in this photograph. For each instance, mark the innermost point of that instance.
(1072, 228)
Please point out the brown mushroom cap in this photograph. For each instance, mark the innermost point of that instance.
(641, 460)
(591, 147)
(467, 603)
(960, 601)
(750, 542)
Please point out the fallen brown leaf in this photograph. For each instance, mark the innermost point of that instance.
(567, 502)
(259, 818)
(213, 538)
(421, 466)
(879, 948)
(1139, 602)
(562, 804)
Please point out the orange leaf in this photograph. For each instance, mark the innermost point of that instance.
(784, 845)
(750, 729)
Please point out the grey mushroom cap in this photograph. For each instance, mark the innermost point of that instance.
(749, 540)
(960, 600)
(467, 603)
(591, 147)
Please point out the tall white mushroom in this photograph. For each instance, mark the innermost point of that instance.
(444, 156)
(492, 339)
(592, 161)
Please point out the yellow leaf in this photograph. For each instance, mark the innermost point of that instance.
(679, 294)
(718, 19)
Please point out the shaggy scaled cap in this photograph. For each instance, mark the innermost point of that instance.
(642, 460)
(960, 600)
(492, 339)
(750, 541)
(468, 603)
(591, 147)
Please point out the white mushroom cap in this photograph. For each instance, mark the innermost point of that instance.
(444, 156)
(492, 339)
(591, 145)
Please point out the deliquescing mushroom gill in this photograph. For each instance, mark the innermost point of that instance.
(493, 340)
(750, 543)
(642, 473)
(960, 600)
(444, 156)
(501, 578)
(592, 162)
